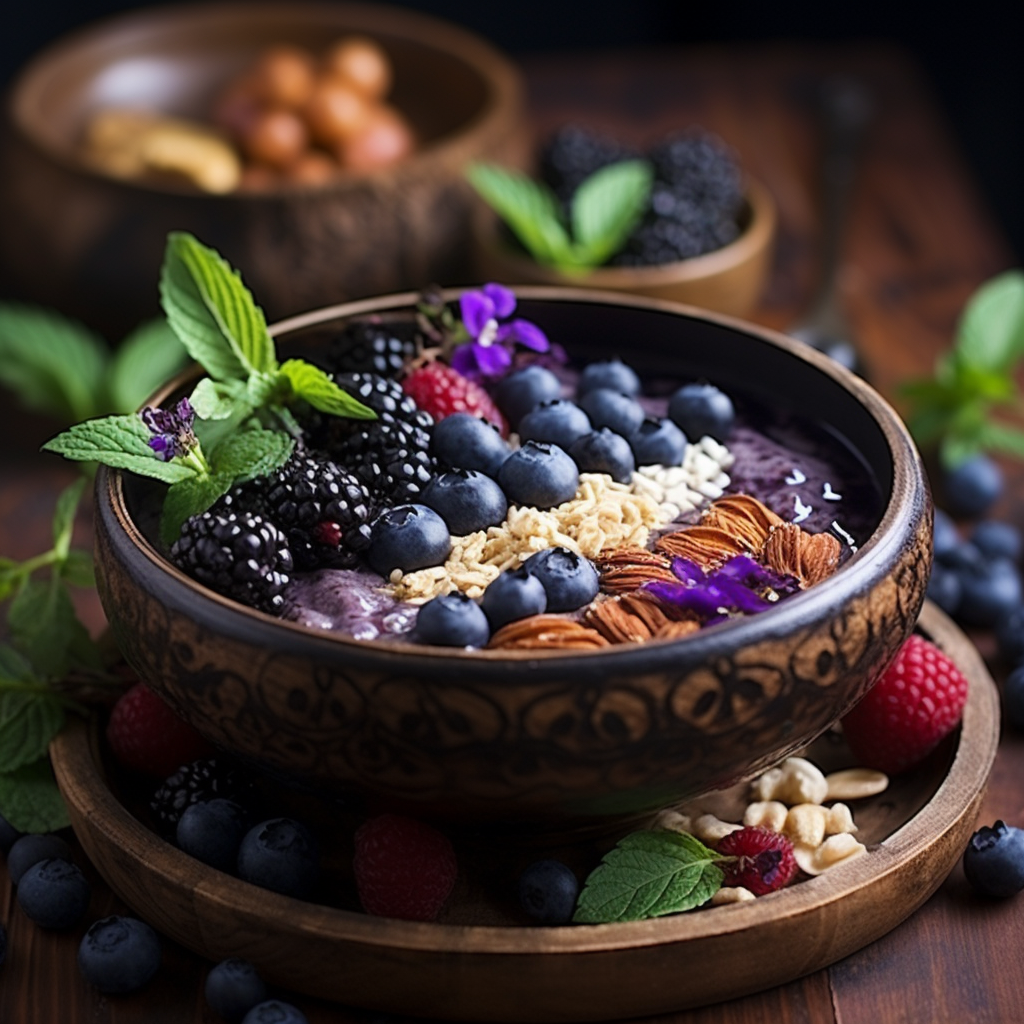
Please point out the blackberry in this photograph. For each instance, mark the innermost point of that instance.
(199, 782)
(239, 554)
(375, 346)
(323, 510)
(391, 460)
(573, 153)
(700, 166)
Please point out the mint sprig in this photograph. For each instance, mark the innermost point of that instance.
(605, 209)
(971, 403)
(649, 874)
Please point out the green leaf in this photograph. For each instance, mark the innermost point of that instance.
(30, 799)
(607, 206)
(28, 721)
(990, 334)
(212, 311)
(1002, 438)
(149, 357)
(78, 569)
(217, 400)
(64, 517)
(117, 441)
(649, 874)
(531, 211)
(316, 387)
(14, 666)
(51, 363)
(44, 627)
(251, 453)
(189, 498)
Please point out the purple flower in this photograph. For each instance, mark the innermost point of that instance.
(488, 353)
(172, 429)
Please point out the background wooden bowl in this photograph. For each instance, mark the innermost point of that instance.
(92, 245)
(729, 280)
(551, 739)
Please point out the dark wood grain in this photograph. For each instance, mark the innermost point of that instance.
(919, 242)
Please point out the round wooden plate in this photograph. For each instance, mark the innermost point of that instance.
(479, 964)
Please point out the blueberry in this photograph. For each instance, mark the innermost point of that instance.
(54, 893)
(233, 987)
(658, 443)
(989, 592)
(604, 451)
(540, 475)
(1010, 635)
(1013, 698)
(465, 441)
(548, 891)
(944, 588)
(408, 537)
(570, 581)
(467, 500)
(972, 487)
(945, 537)
(273, 1011)
(994, 860)
(211, 831)
(515, 594)
(996, 539)
(452, 620)
(556, 422)
(32, 848)
(8, 835)
(612, 409)
(701, 410)
(609, 373)
(964, 555)
(119, 954)
(519, 392)
(280, 855)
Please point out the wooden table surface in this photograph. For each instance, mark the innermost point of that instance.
(919, 242)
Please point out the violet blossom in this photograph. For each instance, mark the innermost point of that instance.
(492, 336)
(172, 429)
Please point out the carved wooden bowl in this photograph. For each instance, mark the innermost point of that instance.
(92, 244)
(548, 738)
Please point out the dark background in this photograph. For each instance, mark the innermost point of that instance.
(971, 55)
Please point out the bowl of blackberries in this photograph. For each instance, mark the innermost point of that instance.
(548, 557)
(678, 219)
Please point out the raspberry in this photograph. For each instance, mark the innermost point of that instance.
(764, 860)
(913, 706)
(146, 735)
(441, 391)
(403, 868)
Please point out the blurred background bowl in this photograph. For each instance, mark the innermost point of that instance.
(91, 245)
(728, 280)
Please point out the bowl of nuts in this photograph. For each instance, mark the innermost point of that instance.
(319, 146)
(484, 570)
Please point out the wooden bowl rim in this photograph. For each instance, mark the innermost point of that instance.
(75, 759)
(754, 240)
(502, 78)
(855, 576)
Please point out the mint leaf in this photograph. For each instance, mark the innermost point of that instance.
(30, 799)
(531, 210)
(212, 312)
(189, 498)
(52, 364)
(251, 453)
(117, 441)
(14, 666)
(990, 334)
(44, 627)
(607, 206)
(64, 517)
(78, 569)
(649, 874)
(28, 721)
(1003, 438)
(149, 357)
(217, 400)
(316, 387)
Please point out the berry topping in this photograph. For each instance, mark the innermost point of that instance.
(403, 868)
(391, 460)
(547, 892)
(556, 422)
(764, 860)
(466, 500)
(452, 620)
(604, 451)
(913, 706)
(280, 855)
(146, 735)
(611, 373)
(233, 987)
(614, 410)
(541, 475)
(408, 537)
(440, 390)
(54, 894)
(573, 154)
(658, 443)
(994, 860)
(997, 539)
(570, 581)
(465, 441)
(515, 594)
(119, 954)
(702, 410)
(519, 392)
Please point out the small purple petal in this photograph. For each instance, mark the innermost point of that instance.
(464, 360)
(163, 446)
(525, 333)
(687, 571)
(185, 413)
(493, 360)
(504, 300)
(477, 309)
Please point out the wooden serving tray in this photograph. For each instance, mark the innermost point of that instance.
(481, 963)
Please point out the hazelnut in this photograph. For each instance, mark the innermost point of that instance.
(277, 137)
(284, 77)
(312, 168)
(362, 64)
(385, 140)
(336, 112)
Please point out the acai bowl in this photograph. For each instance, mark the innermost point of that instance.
(553, 733)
